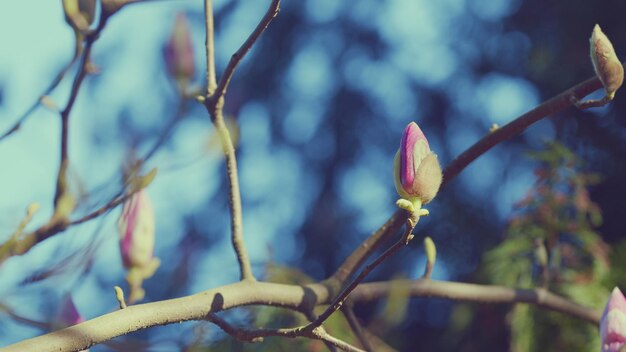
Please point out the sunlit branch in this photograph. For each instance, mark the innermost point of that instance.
(300, 298)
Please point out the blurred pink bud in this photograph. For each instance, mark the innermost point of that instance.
(417, 173)
(613, 323)
(607, 66)
(178, 52)
(68, 313)
(136, 226)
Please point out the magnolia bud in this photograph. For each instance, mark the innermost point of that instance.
(613, 323)
(417, 173)
(178, 52)
(607, 66)
(136, 226)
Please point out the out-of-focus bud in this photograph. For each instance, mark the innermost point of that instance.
(417, 173)
(613, 323)
(605, 62)
(137, 228)
(178, 52)
(68, 314)
(431, 256)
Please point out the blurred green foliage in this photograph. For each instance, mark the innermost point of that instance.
(551, 241)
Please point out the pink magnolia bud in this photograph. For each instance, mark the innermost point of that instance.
(136, 226)
(417, 173)
(613, 323)
(607, 66)
(178, 52)
(68, 314)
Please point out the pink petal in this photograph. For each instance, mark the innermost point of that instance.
(412, 133)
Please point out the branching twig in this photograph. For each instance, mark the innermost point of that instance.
(340, 299)
(214, 104)
(61, 186)
(272, 12)
(558, 103)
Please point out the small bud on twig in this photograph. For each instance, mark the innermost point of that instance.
(607, 67)
(178, 52)
(605, 62)
(431, 256)
(137, 228)
(417, 173)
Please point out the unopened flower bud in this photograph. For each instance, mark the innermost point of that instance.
(417, 173)
(607, 66)
(178, 52)
(136, 226)
(613, 323)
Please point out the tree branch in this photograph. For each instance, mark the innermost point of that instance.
(339, 300)
(300, 298)
(458, 291)
(272, 12)
(556, 104)
(210, 47)
(214, 104)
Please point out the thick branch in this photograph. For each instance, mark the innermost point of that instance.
(301, 298)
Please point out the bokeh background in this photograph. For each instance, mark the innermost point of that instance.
(319, 106)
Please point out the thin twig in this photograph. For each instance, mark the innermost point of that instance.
(210, 47)
(341, 344)
(236, 210)
(340, 299)
(272, 12)
(214, 104)
(24, 243)
(55, 82)
(257, 335)
(61, 184)
(356, 327)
